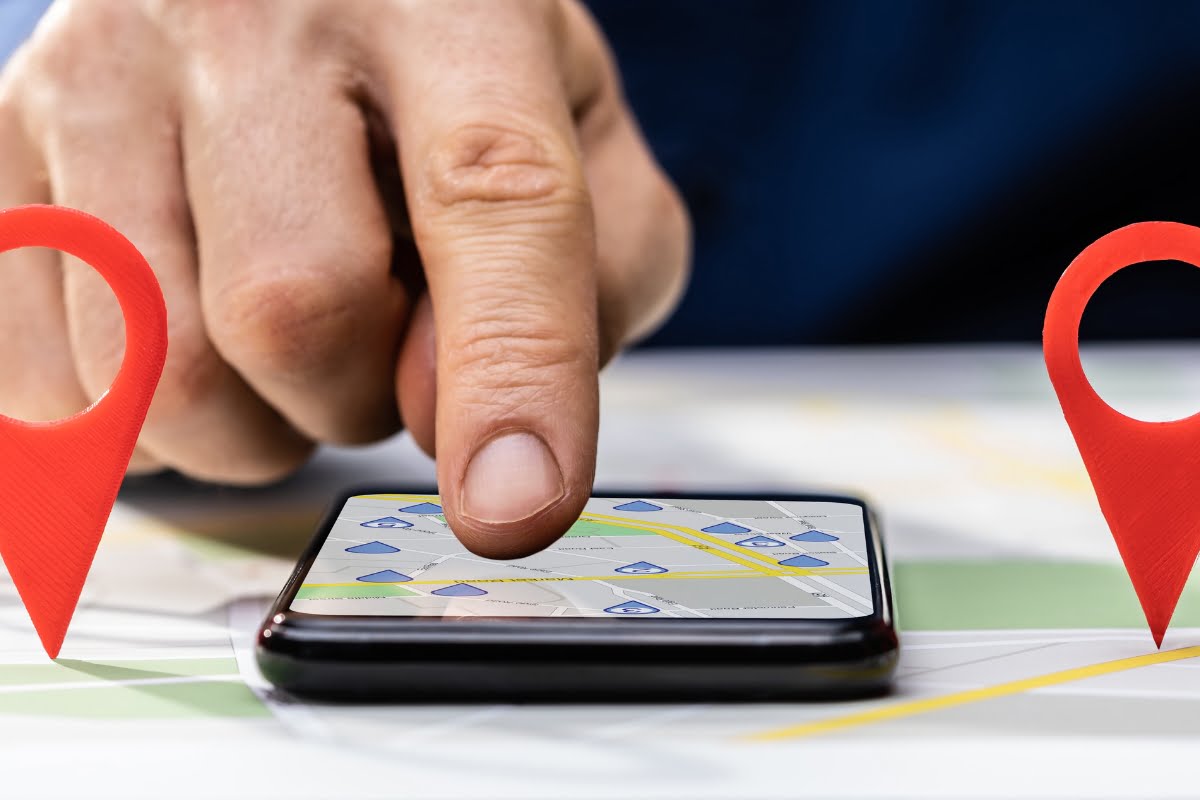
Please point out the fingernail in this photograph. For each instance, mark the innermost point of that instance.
(513, 476)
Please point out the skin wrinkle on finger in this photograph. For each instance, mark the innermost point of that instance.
(507, 356)
(510, 345)
(512, 354)
(508, 331)
(514, 338)
(491, 163)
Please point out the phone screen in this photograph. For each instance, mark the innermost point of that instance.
(395, 555)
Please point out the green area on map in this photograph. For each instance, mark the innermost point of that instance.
(588, 527)
(366, 590)
(989, 595)
(143, 689)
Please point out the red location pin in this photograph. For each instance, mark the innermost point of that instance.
(61, 478)
(1146, 474)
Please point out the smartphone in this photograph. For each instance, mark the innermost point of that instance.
(661, 597)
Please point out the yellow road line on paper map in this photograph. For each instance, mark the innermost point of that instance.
(955, 429)
(704, 576)
(925, 705)
(688, 536)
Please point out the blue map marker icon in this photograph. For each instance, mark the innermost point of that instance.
(384, 576)
(631, 608)
(459, 590)
(814, 536)
(760, 541)
(641, 568)
(386, 522)
(422, 508)
(373, 548)
(725, 527)
(803, 561)
(637, 505)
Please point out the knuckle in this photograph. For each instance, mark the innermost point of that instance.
(488, 163)
(283, 323)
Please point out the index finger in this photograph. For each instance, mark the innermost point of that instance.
(503, 221)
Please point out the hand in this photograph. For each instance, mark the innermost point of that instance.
(439, 211)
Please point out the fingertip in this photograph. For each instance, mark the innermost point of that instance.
(512, 477)
(513, 501)
(533, 536)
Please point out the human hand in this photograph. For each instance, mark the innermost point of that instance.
(439, 211)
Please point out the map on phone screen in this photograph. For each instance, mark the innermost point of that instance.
(395, 555)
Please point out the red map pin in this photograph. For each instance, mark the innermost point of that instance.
(60, 479)
(1146, 474)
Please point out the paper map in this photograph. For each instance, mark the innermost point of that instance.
(1026, 669)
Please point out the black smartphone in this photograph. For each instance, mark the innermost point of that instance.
(662, 597)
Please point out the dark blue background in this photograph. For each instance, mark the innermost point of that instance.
(879, 172)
